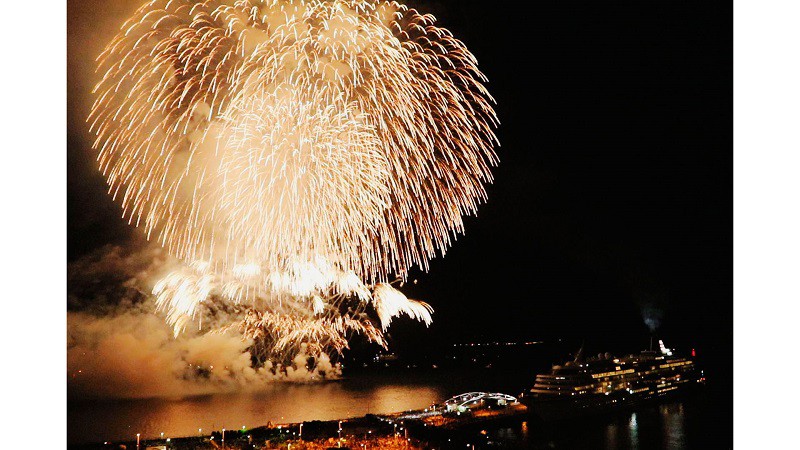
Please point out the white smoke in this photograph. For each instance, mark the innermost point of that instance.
(652, 309)
(117, 347)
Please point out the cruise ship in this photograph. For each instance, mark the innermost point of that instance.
(602, 383)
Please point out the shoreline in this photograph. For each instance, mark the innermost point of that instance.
(409, 429)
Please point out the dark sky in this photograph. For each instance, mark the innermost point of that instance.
(614, 190)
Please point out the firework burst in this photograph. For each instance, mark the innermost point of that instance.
(295, 154)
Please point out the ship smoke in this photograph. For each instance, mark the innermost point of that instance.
(652, 315)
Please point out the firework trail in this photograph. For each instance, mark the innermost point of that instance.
(296, 155)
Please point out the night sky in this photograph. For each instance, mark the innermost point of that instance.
(614, 192)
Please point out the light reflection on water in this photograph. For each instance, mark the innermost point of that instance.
(673, 424)
(611, 436)
(115, 420)
(676, 423)
(633, 428)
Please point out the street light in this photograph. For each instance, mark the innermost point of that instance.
(301, 432)
(137, 440)
(223, 438)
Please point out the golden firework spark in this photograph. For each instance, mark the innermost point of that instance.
(288, 150)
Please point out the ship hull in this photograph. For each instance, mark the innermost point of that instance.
(554, 409)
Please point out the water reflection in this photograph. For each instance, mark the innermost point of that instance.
(115, 420)
(633, 430)
(649, 426)
(611, 436)
(674, 427)
(675, 424)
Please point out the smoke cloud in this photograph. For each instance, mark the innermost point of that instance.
(653, 305)
(651, 314)
(119, 347)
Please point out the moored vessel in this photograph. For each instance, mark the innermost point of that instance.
(589, 385)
